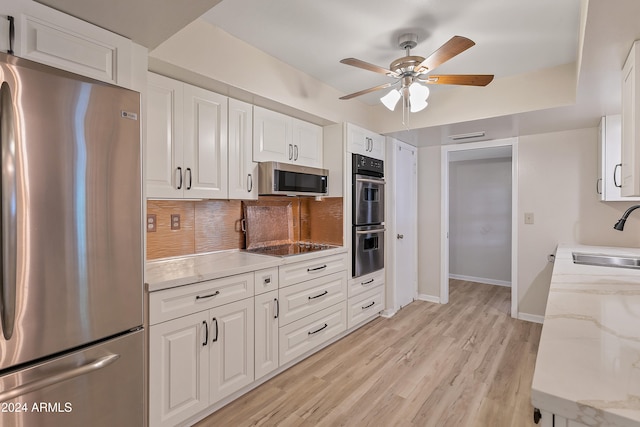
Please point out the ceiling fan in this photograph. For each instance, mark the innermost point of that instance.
(410, 71)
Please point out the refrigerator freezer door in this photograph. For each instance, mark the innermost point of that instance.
(100, 386)
(76, 211)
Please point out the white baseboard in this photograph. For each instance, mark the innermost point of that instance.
(535, 318)
(429, 298)
(388, 313)
(480, 280)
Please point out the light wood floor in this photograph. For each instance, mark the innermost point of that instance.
(466, 363)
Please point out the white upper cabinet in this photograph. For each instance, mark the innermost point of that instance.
(280, 138)
(50, 37)
(243, 178)
(609, 181)
(362, 141)
(186, 141)
(205, 144)
(631, 123)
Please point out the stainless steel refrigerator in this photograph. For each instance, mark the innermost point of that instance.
(71, 345)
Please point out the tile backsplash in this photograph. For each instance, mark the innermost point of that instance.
(215, 225)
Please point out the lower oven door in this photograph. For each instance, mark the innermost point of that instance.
(368, 249)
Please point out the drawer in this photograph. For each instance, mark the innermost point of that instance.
(310, 269)
(181, 301)
(358, 285)
(299, 337)
(303, 299)
(266, 280)
(365, 306)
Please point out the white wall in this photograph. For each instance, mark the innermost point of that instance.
(480, 220)
(556, 182)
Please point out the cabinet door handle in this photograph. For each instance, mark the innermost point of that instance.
(322, 267)
(368, 282)
(206, 333)
(295, 152)
(290, 151)
(317, 330)
(370, 305)
(615, 181)
(599, 186)
(249, 183)
(12, 34)
(208, 296)
(180, 174)
(189, 170)
(400, 236)
(319, 295)
(277, 304)
(215, 338)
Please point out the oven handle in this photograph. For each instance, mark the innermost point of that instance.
(371, 180)
(377, 231)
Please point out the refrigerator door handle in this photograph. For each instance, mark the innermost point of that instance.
(58, 377)
(8, 195)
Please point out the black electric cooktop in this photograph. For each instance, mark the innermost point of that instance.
(291, 249)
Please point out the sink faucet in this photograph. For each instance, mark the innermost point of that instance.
(620, 224)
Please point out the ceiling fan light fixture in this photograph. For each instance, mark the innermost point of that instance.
(391, 99)
(418, 95)
(418, 105)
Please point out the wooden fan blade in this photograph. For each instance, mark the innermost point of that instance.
(362, 92)
(455, 46)
(458, 79)
(367, 66)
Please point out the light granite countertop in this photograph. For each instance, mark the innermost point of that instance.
(171, 272)
(588, 363)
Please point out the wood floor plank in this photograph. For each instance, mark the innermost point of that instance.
(466, 363)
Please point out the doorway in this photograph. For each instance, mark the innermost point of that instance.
(474, 153)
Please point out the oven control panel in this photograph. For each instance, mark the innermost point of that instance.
(364, 165)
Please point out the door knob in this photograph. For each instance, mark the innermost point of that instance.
(400, 236)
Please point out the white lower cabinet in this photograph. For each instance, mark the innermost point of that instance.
(231, 348)
(266, 333)
(365, 306)
(301, 336)
(179, 369)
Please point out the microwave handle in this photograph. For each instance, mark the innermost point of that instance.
(380, 230)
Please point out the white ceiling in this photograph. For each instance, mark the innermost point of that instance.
(512, 36)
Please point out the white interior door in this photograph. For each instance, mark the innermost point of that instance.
(406, 226)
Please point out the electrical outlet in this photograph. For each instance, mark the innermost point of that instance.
(151, 223)
(175, 221)
(528, 217)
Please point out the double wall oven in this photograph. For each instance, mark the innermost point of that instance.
(368, 215)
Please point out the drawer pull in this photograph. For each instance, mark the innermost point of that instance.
(319, 295)
(322, 267)
(318, 330)
(368, 282)
(275, 300)
(208, 296)
(370, 305)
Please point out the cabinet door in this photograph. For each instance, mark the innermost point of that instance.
(357, 141)
(243, 178)
(164, 174)
(376, 146)
(267, 311)
(205, 144)
(51, 37)
(307, 144)
(272, 136)
(178, 369)
(232, 348)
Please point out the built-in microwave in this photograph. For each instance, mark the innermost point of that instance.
(276, 178)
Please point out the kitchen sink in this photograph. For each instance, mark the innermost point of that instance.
(606, 260)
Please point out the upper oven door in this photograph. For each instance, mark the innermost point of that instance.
(368, 200)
